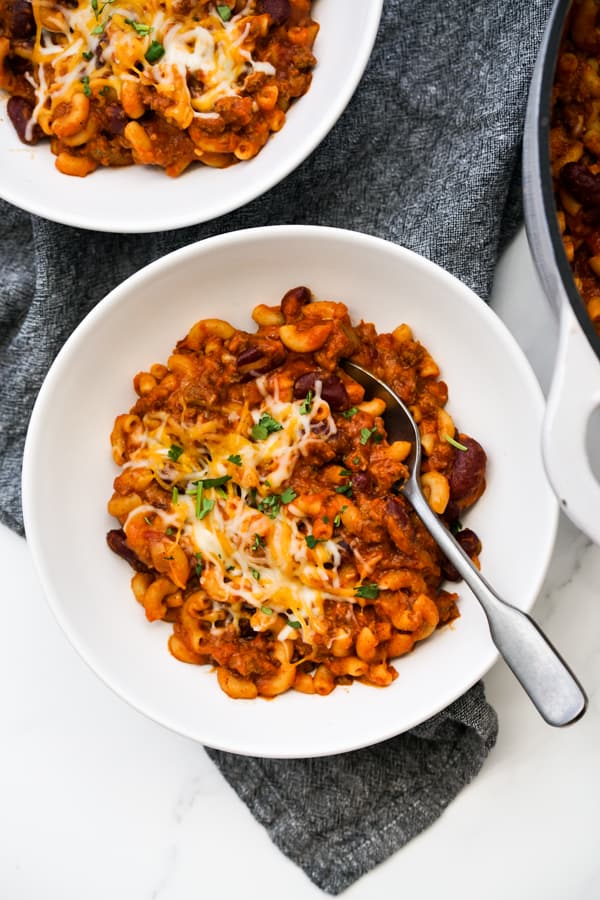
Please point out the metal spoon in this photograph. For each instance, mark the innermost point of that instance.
(546, 678)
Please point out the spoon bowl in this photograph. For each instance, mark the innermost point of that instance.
(544, 675)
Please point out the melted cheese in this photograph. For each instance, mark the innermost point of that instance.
(253, 549)
(106, 43)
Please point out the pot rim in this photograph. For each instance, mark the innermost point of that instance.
(536, 151)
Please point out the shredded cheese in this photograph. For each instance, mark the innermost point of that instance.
(251, 541)
(107, 43)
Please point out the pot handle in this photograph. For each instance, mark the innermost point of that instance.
(574, 395)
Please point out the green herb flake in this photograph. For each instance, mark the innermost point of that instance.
(306, 405)
(174, 452)
(97, 30)
(365, 434)
(235, 458)
(265, 426)
(169, 531)
(266, 610)
(255, 574)
(205, 508)
(311, 541)
(288, 495)
(94, 5)
(258, 542)
(199, 564)
(215, 482)
(175, 496)
(454, 443)
(87, 55)
(86, 85)
(344, 489)
(350, 412)
(356, 461)
(139, 27)
(270, 505)
(338, 519)
(367, 591)
(154, 52)
(293, 624)
(104, 90)
(224, 12)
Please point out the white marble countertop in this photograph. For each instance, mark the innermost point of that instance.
(97, 802)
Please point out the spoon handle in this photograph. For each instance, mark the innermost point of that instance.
(546, 678)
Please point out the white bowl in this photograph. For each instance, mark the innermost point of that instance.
(141, 199)
(68, 474)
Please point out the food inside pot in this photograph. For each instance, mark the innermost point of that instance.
(575, 149)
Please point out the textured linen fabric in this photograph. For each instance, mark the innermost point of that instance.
(426, 155)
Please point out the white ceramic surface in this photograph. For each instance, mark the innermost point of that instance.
(144, 199)
(68, 473)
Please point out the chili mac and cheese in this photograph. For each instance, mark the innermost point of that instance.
(260, 502)
(154, 82)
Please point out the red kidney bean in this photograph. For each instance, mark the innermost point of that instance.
(117, 542)
(333, 390)
(21, 23)
(361, 481)
(279, 10)
(116, 118)
(250, 354)
(471, 544)
(293, 301)
(468, 471)
(255, 360)
(581, 184)
(19, 112)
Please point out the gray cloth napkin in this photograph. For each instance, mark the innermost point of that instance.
(427, 155)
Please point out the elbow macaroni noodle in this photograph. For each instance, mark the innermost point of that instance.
(153, 82)
(260, 503)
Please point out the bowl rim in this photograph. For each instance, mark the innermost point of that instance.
(37, 203)
(129, 287)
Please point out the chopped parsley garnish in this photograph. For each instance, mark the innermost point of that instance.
(356, 461)
(294, 624)
(224, 12)
(97, 30)
(265, 426)
(87, 54)
(199, 564)
(154, 52)
(344, 489)
(175, 495)
(454, 443)
(306, 405)
(140, 27)
(94, 5)
(312, 541)
(338, 519)
(174, 452)
(170, 531)
(214, 482)
(86, 85)
(266, 610)
(203, 506)
(367, 433)
(367, 591)
(270, 505)
(350, 412)
(288, 495)
(235, 458)
(255, 574)
(258, 542)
